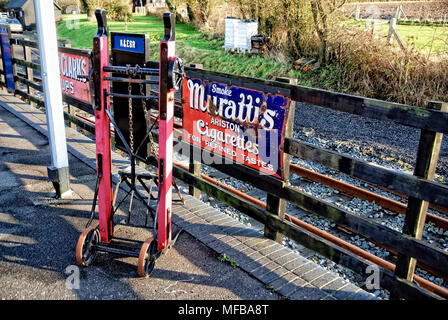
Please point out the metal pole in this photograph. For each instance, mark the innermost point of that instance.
(58, 172)
(166, 117)
(102, 127)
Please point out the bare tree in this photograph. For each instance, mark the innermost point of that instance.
(322, 13)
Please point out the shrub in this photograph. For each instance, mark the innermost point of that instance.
(116, 9)
(289, 24)
(67, 5)
(119, 10)
(3, 4)
(369, 67)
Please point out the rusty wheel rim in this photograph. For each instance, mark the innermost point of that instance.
(84, 253)
(146, 258)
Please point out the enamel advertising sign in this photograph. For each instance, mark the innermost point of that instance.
(243, 125)
(73, 64)
(5, 35)
(128, 42)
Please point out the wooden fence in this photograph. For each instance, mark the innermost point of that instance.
(420, 187)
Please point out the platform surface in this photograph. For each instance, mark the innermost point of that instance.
(38, 236)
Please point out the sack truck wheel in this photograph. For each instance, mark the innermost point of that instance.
(84, 253)
(147, 258)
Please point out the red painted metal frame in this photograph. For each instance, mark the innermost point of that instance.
(166, 120)
(102, 131)
(102, 128)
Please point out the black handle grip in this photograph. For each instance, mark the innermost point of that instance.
(169, 22)
(101, 20)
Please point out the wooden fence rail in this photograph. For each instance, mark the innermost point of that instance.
(420, 187)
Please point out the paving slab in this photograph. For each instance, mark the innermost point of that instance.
(37, 243)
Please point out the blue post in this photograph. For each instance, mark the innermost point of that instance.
(5, 35)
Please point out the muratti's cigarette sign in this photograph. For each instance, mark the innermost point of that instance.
(73, 64)
(244, 125)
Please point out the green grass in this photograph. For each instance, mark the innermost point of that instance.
(191, 45)
(225, 258)
(82, 37)
(424, 38)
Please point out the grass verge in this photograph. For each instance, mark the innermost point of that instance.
(191, 45)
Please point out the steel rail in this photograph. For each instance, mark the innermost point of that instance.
(432, 206)
(361, 193)
(112, 130)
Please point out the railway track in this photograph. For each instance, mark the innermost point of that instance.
(352, 191)
(337, 237)
(393, 206)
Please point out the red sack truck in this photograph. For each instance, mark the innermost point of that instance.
(170, 72)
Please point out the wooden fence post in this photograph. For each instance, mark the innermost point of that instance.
(357, 13)
(398, 12)
(392, 27)
(2, 75)
(71, 109)
(27, 56)
(275, 204)
(195, 165)
(393, 34)
(14, 65)
(426, 163)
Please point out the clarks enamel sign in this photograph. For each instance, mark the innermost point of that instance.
(74, 67)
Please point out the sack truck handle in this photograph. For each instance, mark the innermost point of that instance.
(166, 118)
(102, 126)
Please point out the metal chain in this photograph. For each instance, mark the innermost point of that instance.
(153, 149)
(145, 111)
(131, 122)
